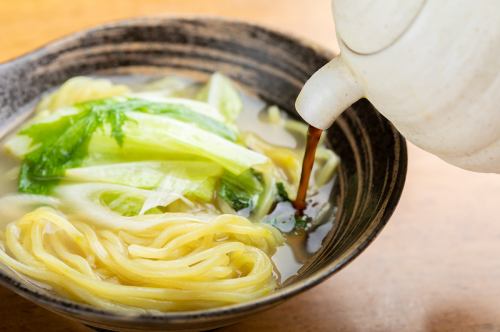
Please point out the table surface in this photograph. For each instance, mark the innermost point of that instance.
(436, 265)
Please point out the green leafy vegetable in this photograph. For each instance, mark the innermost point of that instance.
(302, 221)
(175, 111)
(241, 191)
(282, 194)
(124, 203)
(285, 217)
(195, 179)
(166, 135)
(143, 174)
(63, 144)
(221, 93)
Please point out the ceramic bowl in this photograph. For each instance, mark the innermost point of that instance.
(267, 63)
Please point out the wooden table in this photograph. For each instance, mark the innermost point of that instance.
(435, 267)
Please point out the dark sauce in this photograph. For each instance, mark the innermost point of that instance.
(313, 136)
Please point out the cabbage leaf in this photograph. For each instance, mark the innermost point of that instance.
(157, 128)
(221, 93)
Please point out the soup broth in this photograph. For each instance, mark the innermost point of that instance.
(244, 201)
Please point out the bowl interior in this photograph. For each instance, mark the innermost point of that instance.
(266, 63)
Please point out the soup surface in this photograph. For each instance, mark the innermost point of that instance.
(134, 193)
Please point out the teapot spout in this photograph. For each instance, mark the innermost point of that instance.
(329, 91)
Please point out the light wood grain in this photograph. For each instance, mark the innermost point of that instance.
(435, 267)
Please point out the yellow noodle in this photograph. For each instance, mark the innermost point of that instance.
(201, 264)
(325, 172)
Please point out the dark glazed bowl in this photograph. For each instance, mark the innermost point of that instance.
(273, 66)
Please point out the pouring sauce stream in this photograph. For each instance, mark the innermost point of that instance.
(313, 136)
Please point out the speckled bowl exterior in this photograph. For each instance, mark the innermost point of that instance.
(269, 64)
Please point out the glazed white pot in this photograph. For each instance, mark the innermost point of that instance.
(432, 67)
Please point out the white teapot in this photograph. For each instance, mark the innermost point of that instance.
(432, 67)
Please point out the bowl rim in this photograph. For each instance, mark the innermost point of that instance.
(63, 305)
